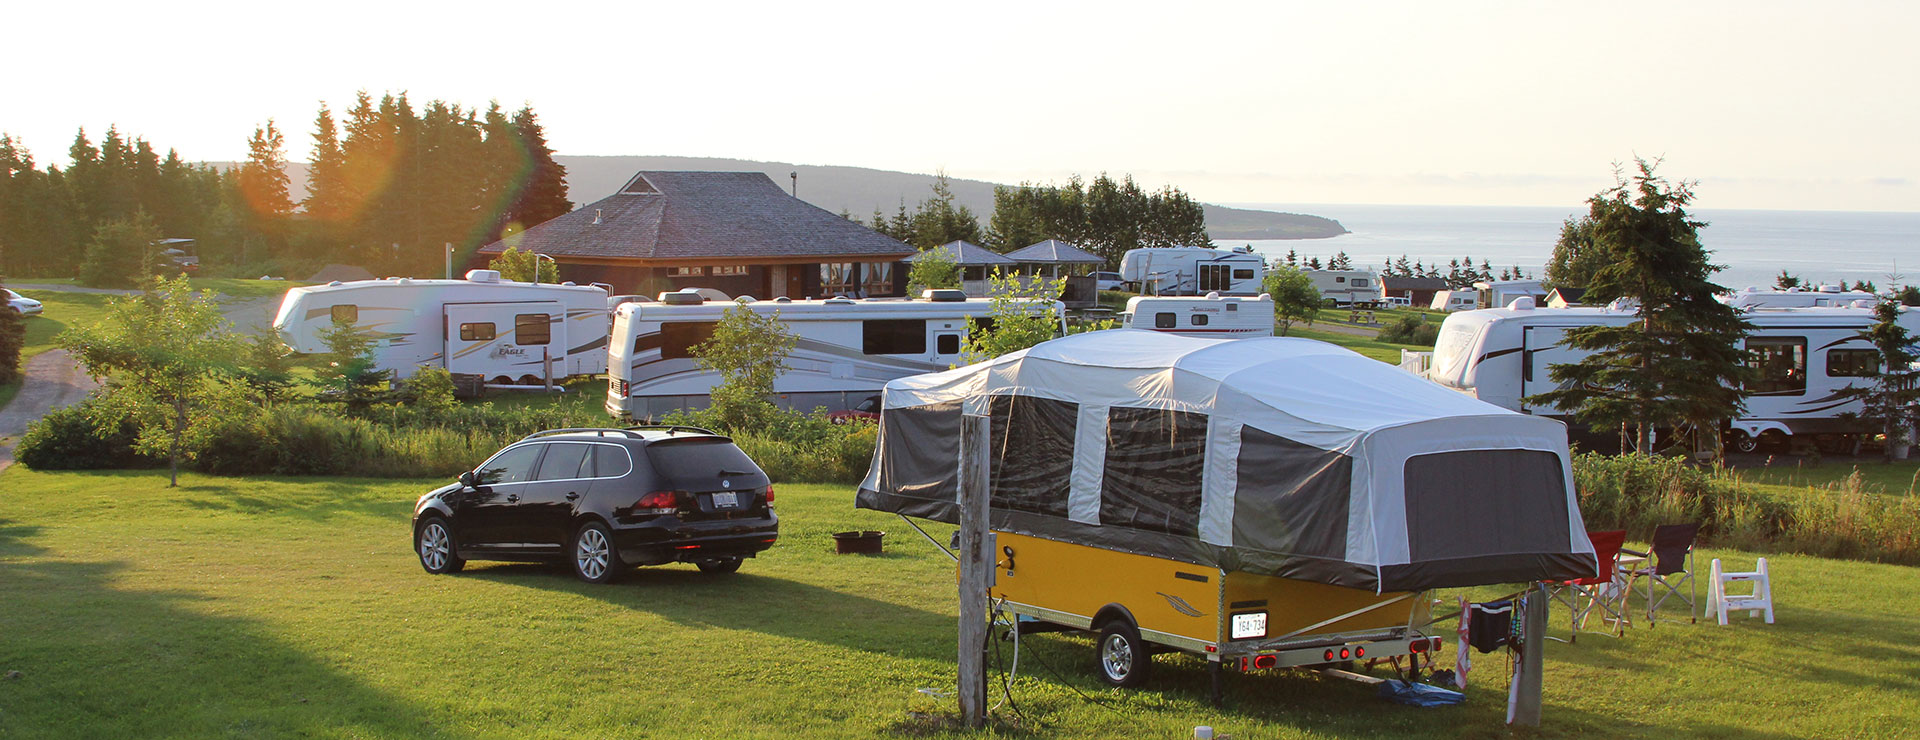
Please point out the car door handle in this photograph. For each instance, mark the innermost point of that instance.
(572, 496)
(512, 497)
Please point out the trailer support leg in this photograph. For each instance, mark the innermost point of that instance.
(1214, 672)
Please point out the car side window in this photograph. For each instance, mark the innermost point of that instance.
(563, 461)
(610, 462)
(513, 466)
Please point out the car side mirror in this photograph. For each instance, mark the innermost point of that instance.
(467, 479)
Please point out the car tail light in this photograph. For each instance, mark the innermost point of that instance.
(658, 502)
(769, 494)
(1264, 661)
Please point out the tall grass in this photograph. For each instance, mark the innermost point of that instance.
(1842, 519)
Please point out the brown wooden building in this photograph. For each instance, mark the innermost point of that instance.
(736, 232)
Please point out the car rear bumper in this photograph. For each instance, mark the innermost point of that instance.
(657, 542)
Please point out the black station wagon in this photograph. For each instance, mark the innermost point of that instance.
(603, 500)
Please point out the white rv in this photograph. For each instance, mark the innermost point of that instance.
(1210, 317)
(1803, 356)
(500, 330)
(1347, 288)
(1455, 300)
(1825, 296)
(845, 349)
(1502, 292)
(1193, 271)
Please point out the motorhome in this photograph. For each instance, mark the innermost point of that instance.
(1213, 316)
(1347, 288)
(1825, 296)
(1455, 300)
(844, 350)
(1193, 271)
(1803, 358)
(1237, 501)
(502, 331)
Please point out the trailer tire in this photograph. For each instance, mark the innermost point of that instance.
(1744, 442)
(1121, 657)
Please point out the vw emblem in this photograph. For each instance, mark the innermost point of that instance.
(726, 484)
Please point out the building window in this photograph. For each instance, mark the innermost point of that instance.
(879, 278)
(532, 328)
(677, 338)
(1852, 363)
(478, 332)
(725, 270)
(893, 336)
(348, 313)
(836, 278)
(686, 271)
(1779, 365)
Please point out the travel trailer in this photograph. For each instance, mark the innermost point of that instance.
(1347, 288)
(503, 331)
(845, 349)
(1238, 501)
(1193, 271)
(1212, 317)
(1455, 300)
(1825, 296)
(1804, 357)
(1502, 292)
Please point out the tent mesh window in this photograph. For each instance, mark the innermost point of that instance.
(1155, 458)
(1032, 453)
(913, 469)
(1303, 494)
(1485, 502)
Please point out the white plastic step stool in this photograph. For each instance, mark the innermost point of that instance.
(1719, 602)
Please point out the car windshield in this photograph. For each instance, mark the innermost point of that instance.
(704, 463)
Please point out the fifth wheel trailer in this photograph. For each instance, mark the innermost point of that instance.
(1193, 271)
(500, 330)
(1803, 357)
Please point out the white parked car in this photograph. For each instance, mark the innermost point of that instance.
(1108, 281)
(21, 305)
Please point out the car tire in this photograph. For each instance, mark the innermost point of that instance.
(593, 555)
(719, 566)
(433, 542)
(1121, 657)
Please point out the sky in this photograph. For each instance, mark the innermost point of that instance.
(1768, 105)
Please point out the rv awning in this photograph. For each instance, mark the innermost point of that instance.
(1280, 456)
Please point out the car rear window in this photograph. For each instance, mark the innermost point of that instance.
(702, 463)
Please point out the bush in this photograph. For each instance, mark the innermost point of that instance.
(1411, 329)
(13, 335)
(67, 439)
(793, 447)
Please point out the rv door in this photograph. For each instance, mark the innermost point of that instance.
(1541, 349)
(505, 340)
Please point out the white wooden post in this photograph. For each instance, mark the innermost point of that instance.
(975, 562)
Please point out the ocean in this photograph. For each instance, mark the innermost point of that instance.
(1753, 246)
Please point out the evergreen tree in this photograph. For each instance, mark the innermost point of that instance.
(263, 182)
(1681, 363)
(543, 194)
(328, 200)
(1293, 258)
(13, 335)
(1574, 255)
(123, 253)
(939, 220)
(1891, 396)
(1786, 281)
(1313, 263)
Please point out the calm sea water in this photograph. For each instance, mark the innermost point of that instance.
(1822, 246)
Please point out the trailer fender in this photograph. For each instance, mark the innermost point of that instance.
(1754, 428)
(1110, 613)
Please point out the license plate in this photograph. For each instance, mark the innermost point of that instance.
(725, 500)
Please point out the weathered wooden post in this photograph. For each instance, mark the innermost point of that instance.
(975, 565)
(1523, 707)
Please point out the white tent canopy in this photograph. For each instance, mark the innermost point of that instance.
(1283, 456)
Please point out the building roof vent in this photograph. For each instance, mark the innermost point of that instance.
(483, 276)
(945, 295)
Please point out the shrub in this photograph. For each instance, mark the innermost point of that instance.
(13, 335)
(67, 439)
(1411, 329)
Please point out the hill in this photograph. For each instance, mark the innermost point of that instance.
(860, 191)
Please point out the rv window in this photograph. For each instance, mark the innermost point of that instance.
(1852, 363)
(946, 344)
(563, 461)
(532, 328)
(347, 313)
(1154, 462)
(677, 338)
(893, 336)
(1165, 321)
(1779, 365)
(478, 332)
(1359, 283)
(1198, 319)
(1243, 274)
(1032, 448)
(1340, 279)
(1215, 277)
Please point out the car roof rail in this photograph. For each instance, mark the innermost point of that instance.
(671, 428)
(578, 430)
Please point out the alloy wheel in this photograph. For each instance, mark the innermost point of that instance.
(436, 548)
(590, 555)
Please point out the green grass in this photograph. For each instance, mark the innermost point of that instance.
(60, 312)
(293, 607)
(1786, 474)
(1386, 352)
(236, 287)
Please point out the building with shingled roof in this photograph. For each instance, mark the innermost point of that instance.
(737, 232)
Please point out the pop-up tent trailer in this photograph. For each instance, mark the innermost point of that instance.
(1256, 471)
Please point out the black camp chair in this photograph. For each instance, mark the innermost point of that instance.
(1672, 568)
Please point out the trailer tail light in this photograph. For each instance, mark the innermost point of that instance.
(1420, 645)
(1359, 652)
(1345, 653)
(1329, 655)
(1437, 643)
(658, 502)
(1265, 661)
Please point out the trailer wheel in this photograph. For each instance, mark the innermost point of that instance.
(1123, 658)
(1745, 442)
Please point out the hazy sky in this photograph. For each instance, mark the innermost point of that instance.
(1768, 105)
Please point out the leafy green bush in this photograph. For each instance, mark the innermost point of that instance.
(67, 439)
(1411, 329)
(793, 447)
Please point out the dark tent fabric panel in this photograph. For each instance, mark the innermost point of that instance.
(1483, 516)
(1300, 497)
(1154, 462)
(1032, 457)
(919, 462)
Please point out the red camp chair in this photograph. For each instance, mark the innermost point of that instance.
(1604, 591)
(1671, 568)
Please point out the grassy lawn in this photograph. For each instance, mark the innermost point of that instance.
(1387, 352)
(1789, 474)
(61, 310)
(293, 607)
(236, 287)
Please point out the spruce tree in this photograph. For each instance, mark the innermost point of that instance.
(544, 195)
(1891, 396)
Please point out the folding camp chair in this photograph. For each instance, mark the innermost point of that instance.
(1604, 592)
(1672, 567)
